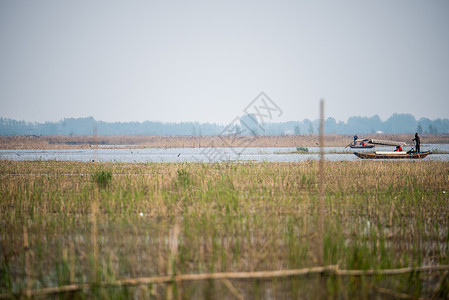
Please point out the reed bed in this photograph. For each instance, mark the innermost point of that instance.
(102, 228)
(145, 141)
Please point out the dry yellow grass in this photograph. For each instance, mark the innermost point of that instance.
(76, 142)
(230, 217)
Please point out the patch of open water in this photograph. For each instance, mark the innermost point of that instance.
(255, 154)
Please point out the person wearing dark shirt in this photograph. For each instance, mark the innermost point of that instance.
(355, 138)
(417, 140)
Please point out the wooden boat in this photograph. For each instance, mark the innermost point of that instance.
(360, 145)
(411, 154)
(392, 155)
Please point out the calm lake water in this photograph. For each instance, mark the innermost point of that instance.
(260, 154)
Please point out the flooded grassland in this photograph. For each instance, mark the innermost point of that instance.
(92, 226)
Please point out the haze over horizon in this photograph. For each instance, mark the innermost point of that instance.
(203, 61)
(273, 121)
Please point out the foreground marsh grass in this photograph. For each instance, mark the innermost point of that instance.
(163, 219)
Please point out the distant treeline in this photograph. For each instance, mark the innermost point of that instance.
(397, 123)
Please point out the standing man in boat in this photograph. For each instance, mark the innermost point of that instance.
(355, 138)
(417, 140)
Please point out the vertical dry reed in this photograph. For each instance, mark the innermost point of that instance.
(26, 247)
(321, 182)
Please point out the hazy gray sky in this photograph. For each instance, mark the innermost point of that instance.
(206, 60)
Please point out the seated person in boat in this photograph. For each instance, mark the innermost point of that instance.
(363, 144)
(398, 148)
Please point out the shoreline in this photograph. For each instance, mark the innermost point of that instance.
(136, 141)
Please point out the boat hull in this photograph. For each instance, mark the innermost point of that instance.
(361, 147)
(371, 155)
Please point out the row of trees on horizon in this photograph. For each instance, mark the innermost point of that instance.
(248, 125)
